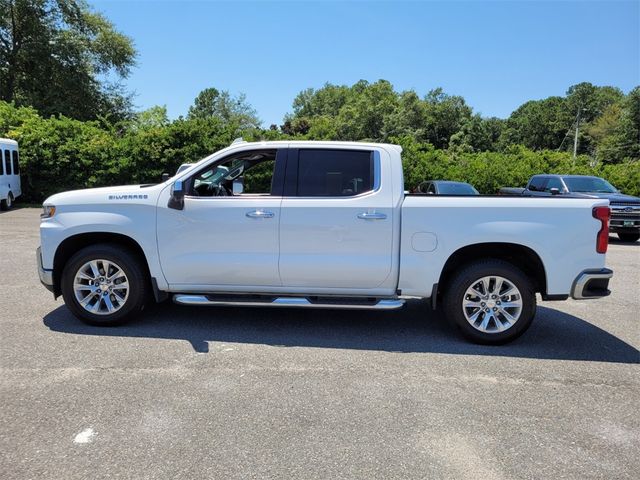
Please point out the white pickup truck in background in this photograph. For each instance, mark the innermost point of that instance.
(322, 225)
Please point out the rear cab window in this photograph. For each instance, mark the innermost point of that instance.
(334, 173)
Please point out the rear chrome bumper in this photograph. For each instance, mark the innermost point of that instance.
(46, 276)
(592, 284)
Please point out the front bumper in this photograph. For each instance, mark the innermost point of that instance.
(592, 284)
(46, 276)
(624, 218)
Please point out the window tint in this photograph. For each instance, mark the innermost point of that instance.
(554, 182)
(334, 173)
(1, 164)
(537, 184)
(457, 189)
(589, 184)
(16, 163)
(7, 161)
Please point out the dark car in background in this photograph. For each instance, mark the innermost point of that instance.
(625, 209)
(446, 187)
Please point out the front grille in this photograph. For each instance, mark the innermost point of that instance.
(626, 204)
(620, 220)
(625, 215)
(625, 211)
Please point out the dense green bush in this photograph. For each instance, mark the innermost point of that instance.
(60, 153)
(489, 171)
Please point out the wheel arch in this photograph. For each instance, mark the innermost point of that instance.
(518, 255)
(72, 244)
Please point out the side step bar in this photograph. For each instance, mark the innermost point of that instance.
(384, 304)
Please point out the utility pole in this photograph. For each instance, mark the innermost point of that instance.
(575, 138)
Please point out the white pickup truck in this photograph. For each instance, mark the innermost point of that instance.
(321, 225)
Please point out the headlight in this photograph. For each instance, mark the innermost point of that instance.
(48, 211)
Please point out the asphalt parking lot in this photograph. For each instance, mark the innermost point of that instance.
(269, 393)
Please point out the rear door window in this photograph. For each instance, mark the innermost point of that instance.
(16, 163)
(334, 173)
(7, 161)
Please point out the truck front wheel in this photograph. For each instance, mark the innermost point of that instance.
(490, 301)
(104, 285)
(629, 236)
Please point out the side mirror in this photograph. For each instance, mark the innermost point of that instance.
(176, 200)
(554, 191)
(165, 177)
(237, 186)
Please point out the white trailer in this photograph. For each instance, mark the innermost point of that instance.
(9, 173)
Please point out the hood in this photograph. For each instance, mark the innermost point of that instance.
(122, 194)
(615, 197)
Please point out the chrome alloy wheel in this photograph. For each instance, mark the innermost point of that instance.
(101, 287)
(492, 304)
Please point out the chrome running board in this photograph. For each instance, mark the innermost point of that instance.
(338, 303)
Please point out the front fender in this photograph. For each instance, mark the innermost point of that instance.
(137, 222)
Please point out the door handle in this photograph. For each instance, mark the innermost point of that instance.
(260, 214)
(372, 216)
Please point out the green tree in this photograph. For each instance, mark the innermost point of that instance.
(363, 116)
(538, 124)
(476, 135)
(326, 101)
(154, 117)
(56, 55)
(444, 116)
(617, 131)
(212, 103)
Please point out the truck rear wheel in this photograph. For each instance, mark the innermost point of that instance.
(491, 302)
(104, 285)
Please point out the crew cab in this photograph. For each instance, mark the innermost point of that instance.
(319, 225)
(625, 209)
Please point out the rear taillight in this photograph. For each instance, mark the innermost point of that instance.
(602, 240)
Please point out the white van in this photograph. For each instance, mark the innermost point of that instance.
(9, 173)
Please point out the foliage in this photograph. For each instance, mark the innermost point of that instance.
(60, 97)
(489, 171)
(56, 55)
(441, 137)
(211, 103)
(608, 128)
(60, 153)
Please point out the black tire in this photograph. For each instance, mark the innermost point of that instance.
(456, 290)
(629, 237)
(132, 267)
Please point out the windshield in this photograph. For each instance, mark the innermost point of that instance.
(456, 189)
(589, 184)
